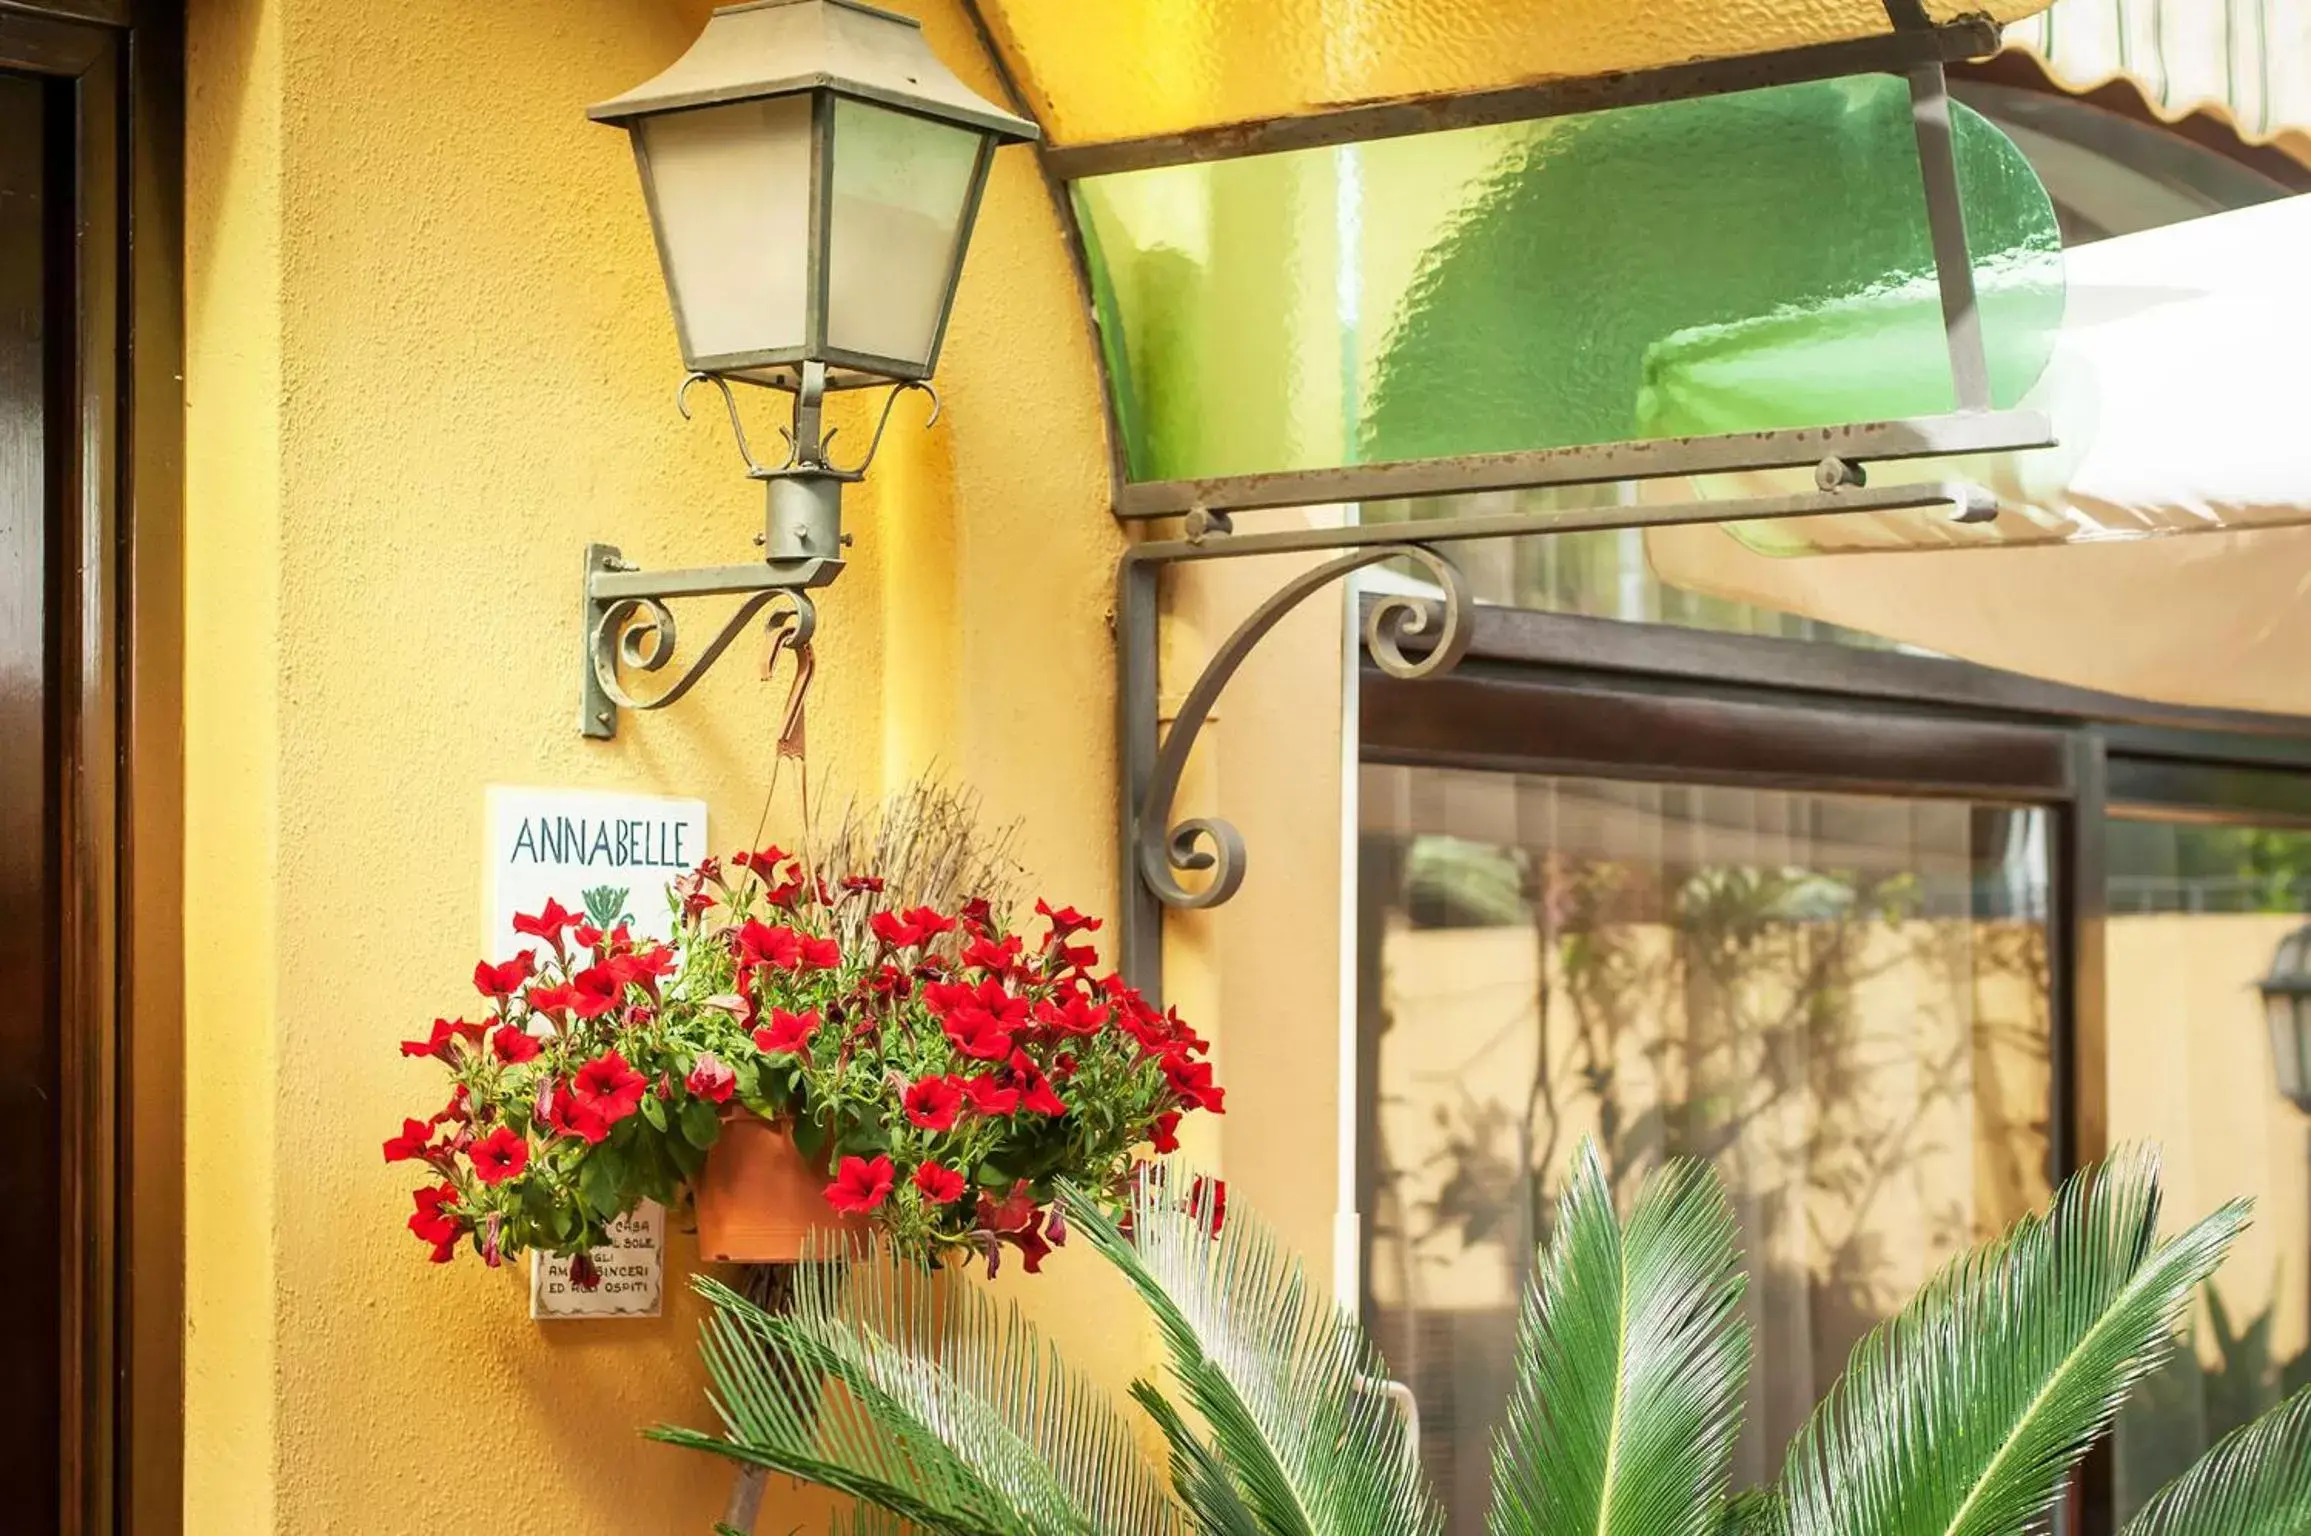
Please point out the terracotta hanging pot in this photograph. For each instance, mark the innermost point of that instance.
(760, 1201)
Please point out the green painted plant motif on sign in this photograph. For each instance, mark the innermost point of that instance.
(606, 905)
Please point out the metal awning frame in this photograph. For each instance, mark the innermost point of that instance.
(1415, 638)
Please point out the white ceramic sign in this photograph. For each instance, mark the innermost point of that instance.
(632, 1266)
(611, 857)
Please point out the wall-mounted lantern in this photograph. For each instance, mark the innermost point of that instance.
(812, 172)
(2287, 1005)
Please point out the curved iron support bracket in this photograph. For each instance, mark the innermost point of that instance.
(628, 625)
(1154, 851)
(1162, 848)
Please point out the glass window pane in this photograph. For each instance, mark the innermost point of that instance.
(1544, 284)
(1162, 66)
(1841, 1000)
(730, 190)
(899, 186)
(2196, 915)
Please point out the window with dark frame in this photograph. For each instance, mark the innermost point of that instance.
(1857, 925)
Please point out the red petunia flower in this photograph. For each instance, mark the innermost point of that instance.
(547, 925)
(916, 925)
(992, 955)
(789, 1032)
(502, 981)
(1034, 1088)
(552, 1001)
(933, 1103)
(587, 935)
(513, 1046)
(940, 1186)
(944, 997)
(569, 1116)
(819, 954)
(989, 1096)
(596, 990)
(860, 1184)
(978, 914)
(1031, 1243)
(1192, 1081)
(1165, 1137)
(710, 1079)
(1078, 1015)
(501, 1155)
(437, 1044)
(411, 1144)
(432, 1223)
(609, 1087)
(644, 967)
(1065, 921)
(872, 883)
(696, 899)
(975, 1033)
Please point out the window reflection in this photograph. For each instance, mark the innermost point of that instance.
(2196, 913)
(1840, 1000)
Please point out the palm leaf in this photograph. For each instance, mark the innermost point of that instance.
(946, 1409)
(1203, 1481)
(2255, 1482)
(1754, 1512)
(1282, 1377)
(1962, 1415)
(1632, 1358)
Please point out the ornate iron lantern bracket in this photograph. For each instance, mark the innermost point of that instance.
(626, 623)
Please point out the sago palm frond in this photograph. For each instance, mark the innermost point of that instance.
(931, 1402)
(2255, 1482)
(1962, 1414)
(1286, 1381)
(1632, 1358)
(1753, 1512)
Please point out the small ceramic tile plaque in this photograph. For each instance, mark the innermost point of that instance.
(632, 1266)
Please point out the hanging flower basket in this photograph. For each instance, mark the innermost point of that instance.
(760, 1201)
(806, 1054)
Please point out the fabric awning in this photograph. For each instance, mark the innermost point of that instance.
(2245, 61)
(2181, 390)
(1145, 68)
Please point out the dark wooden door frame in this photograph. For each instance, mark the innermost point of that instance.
(115, 72)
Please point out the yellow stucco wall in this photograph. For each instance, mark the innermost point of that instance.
(429, 360)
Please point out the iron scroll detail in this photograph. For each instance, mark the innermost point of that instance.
(1439, 630)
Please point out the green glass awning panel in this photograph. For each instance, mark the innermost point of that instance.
(1517, 287)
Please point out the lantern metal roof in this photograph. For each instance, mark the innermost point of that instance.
(780, 47)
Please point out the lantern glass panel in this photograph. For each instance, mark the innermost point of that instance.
(901, 186)
(730, 193)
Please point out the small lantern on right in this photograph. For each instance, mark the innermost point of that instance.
(2287, 1005)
